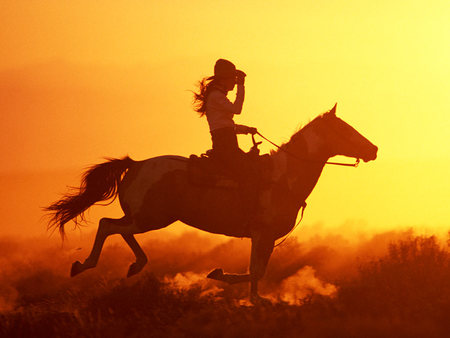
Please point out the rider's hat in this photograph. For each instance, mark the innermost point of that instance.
(224, 69)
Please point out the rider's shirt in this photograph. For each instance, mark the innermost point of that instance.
(220, 110)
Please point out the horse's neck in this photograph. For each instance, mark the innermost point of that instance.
(301, 175)
(279, 159)
(304, 179)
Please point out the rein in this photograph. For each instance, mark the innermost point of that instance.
(303, 207)
(355, 165)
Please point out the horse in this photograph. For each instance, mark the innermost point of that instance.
(156, 192)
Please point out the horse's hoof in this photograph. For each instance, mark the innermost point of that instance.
(134, 269)
(77, 268)
(260, 301)
(216, 274)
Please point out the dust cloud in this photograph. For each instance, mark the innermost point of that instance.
(391, 284)
(36, 268)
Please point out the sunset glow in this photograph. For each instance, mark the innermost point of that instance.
(83, 80)
(89, 90)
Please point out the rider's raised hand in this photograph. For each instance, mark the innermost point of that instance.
(240, 77)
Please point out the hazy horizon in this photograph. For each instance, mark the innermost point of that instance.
(82, 81)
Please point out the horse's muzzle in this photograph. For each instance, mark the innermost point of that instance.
(371, 154)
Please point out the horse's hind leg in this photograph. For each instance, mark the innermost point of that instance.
(109, 226)
(141, 258)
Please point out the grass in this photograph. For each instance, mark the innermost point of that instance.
(404, 292)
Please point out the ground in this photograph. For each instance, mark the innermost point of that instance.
(317, 289)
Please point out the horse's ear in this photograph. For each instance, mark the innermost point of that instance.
(333, 110)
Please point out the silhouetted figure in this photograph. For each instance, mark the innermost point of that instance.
(156, 192)
(212, 101)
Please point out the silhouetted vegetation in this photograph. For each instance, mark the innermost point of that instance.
(404, 292)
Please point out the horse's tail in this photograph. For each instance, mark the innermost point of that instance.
(99, 183)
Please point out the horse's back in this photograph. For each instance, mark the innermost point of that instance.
(158, 191)
(143, 175)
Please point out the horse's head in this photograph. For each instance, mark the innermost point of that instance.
(332, 136)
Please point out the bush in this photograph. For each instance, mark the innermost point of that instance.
(410, 282)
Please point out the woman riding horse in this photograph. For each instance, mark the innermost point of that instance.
(212, 101)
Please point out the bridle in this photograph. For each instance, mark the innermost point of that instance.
(355, 165)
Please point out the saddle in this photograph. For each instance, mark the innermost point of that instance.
(205, 170)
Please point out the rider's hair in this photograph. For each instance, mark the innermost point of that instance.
(204, 86)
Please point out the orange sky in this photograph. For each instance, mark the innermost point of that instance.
(82, 80)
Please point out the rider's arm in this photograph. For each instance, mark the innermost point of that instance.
(241, 129)
(239, 101)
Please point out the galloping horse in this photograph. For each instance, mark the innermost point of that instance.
(157, 192)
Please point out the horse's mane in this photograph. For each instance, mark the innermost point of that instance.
(299, 131)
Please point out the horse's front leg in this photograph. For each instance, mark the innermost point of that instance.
(230, 278)
(262, 248)
(261, 251)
